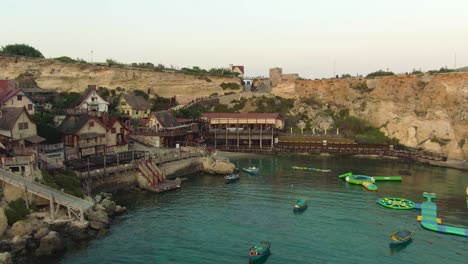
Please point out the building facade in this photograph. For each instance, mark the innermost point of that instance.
(134, 106)
(93, 102)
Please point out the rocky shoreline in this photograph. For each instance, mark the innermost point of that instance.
(39, 237)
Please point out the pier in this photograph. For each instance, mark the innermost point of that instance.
(75, 206)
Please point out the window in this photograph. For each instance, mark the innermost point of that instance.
(136, 112)
(29, 106)
(123, 103)
(113, 130)
(23, 126)
(19, 97)
(91, 124)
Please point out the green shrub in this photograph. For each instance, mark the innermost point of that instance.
(440, 141)
(16, 210)
(20, 50)
(63, 180)
(361, 87)
(461, 143)
(231, 86)
(66, 59)
(379, 73)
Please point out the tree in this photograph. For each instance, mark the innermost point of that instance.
(20, 50)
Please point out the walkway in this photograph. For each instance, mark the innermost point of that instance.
(75, 205)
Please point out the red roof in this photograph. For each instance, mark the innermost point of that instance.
(183, 120)
(4, 96)
(241, 68)
(242, 115)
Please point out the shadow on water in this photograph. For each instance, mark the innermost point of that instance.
(395, 248)
(260, 261)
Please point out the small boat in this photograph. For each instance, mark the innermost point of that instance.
(251, 170)
(231, 178)
(309, 169)
(259, 251)
(300, 205)
(401, 237)
(396, 203)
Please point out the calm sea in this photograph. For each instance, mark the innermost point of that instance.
(208, 221)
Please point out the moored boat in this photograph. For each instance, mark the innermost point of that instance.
(396, 203)
(300, 205)
(251, 170)
(401, 237)
(231, 178)
(405, 172)
(260, 251)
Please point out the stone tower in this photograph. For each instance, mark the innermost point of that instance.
(275, 76)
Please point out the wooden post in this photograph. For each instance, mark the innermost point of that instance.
(69, 213)
(250, 138)
(57, 209)
(105, 165)
(237, 137)
(261, 138)
(226, 137)
(26, 199)
(52, 211)
(272, 139)
(215, 139)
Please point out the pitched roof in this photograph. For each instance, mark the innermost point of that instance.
(9, 117)
(241, 68)
(109, 122)
(72, 124)
(6, 95)
(90, 89)
(137, 102)
(242, 115)
(166, 119)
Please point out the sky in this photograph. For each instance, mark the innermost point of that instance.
(316, 39)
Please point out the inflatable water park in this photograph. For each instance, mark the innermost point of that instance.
(367, 181)
(430, 221)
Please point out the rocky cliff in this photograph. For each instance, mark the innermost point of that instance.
(52, 74)
(428, 111)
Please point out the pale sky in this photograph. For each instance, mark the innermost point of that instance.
(301, 36)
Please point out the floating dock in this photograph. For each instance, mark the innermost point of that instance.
(387, 178)
(430, 221)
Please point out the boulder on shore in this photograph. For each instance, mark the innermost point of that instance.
(3, 222)
(120, 209)
(77, 230)
(214, 166)
(21, 228)
(42, 232)
(99, 216)
(50, 244)
(5, 258)
(109, 206)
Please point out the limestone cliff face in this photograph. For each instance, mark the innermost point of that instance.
(429, 111)
(52, 74)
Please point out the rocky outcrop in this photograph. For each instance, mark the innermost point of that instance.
(41, 236)
(5, 258)
(215, 166)
(21, 228)
(428, 111)
(52, 74)
(50, 244)
(3, 222)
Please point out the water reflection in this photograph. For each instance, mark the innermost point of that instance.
(395, 248)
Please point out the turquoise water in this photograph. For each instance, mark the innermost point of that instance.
(208, 221)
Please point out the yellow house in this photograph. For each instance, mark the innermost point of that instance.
(134, 106)
(17, 98)
(15, 123)
(116, 135)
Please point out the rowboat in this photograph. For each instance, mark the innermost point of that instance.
(231, 178)
(251, 170)
(300, 205)
(401, 237)
(259, 251)
(309, 169)
(396, 203)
